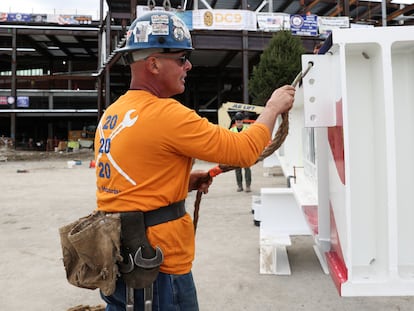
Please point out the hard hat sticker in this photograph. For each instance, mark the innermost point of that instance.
(159, 19)
(160, 25)
(142, 31)
(179, 34)
(180, 31)
(160, 29)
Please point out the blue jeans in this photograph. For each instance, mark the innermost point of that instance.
(171, 293)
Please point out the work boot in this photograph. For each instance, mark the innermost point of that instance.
(240, 189)
(248, 189)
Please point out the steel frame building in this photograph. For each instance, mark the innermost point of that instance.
(70, 73)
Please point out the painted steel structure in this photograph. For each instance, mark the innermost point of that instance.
(350, 162)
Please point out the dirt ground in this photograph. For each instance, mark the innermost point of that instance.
(10, 154)
(41, 194)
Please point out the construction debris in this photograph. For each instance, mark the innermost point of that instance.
(87, 308)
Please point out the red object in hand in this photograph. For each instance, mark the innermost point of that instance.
(213, 172)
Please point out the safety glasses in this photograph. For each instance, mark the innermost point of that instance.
(181, 60)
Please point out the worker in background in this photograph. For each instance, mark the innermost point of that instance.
(237, 128)
(145, 146)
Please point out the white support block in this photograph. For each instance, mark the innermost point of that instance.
(273, 255)
(280, 213)
(280, 217)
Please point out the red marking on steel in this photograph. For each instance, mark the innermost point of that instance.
(335, 257)
(338, 271)
(311, 214)
(336, 142)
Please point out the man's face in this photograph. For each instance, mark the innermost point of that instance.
(174, 67)
(239, 123)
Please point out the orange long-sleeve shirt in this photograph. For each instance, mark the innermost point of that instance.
(144, 148)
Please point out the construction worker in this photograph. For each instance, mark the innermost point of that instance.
(145, 145)
(238, 127)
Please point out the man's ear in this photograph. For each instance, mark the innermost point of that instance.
(152, 65)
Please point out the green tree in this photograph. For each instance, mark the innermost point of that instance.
(279, 64)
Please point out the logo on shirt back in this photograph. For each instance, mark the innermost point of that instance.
(110, 122)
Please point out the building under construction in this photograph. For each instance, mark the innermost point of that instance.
(59, 72)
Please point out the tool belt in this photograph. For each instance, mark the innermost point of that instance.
(141, 262)
(164, 214)
(99, 247)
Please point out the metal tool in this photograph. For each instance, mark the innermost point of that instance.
(129, 299)
(138, 260)
(148, 297)
(149, 263)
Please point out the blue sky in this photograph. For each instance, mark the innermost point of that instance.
(79, 7)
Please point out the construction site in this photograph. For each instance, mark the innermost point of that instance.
(328, 222)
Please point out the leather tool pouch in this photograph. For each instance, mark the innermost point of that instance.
(91, 249)
(141, 262)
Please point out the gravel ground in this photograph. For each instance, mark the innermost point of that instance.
(39, 196)
(10, 154)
